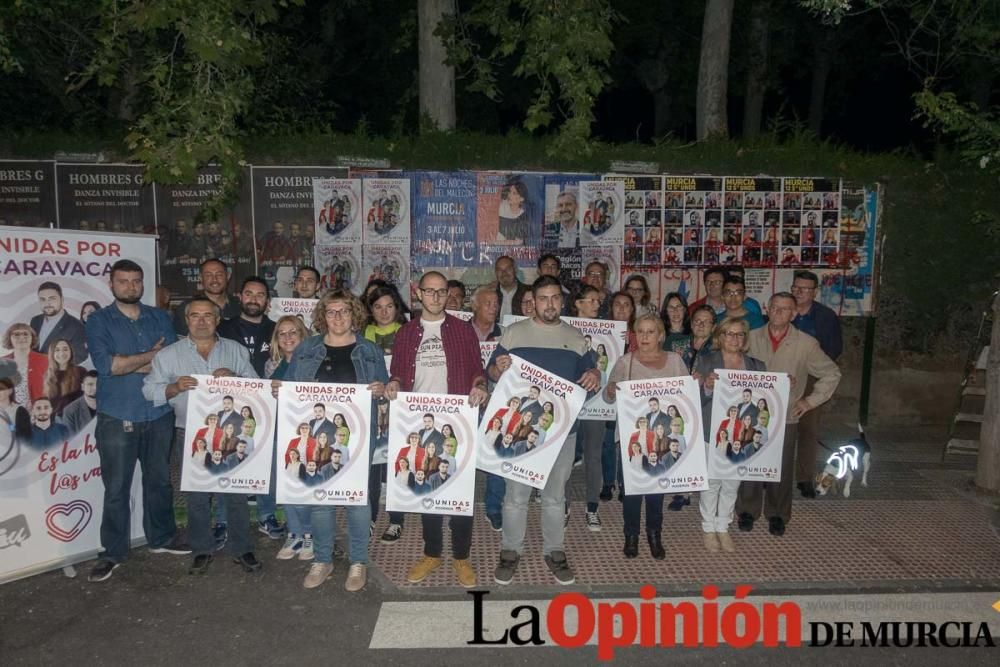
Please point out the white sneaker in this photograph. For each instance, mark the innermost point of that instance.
(593, 522)
(306, 553)
(318, 573)
(292, 546)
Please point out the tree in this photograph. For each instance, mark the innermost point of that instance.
(437, 77)
(713, 70)
(757, 61)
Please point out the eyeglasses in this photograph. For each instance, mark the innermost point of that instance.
(595, 274)
(439, 293)
(734, 292)
(701, 323)
(734, 334)
(338, 313)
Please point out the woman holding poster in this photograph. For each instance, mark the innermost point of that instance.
(339, 354)
(729, 345)
(648, 362)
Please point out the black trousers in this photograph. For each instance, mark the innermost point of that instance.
(461, 535)
(632, 509)
(375, 478)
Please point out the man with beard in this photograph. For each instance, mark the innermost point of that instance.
(44, 431)
(54, 323)
(569, 228)
(214, 277)
(78, 414)
(123, 338)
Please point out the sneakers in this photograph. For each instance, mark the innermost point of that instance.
(371, 530)
(175, 546)
(270, 527)
(102, 571)
(221, 534)
(504, 573)
(318, 573)
(776, 526)
(391, 533)
(593, 522)
(422, 568)
(536, 494)
(745, 522)
(306, 553)
(726, 543)
(357, 577)
(559, 567)
(678, 502)
(712, 543)
(496, 522)
(465, 572)
(291, 547)
(577, 462)
(606, 493)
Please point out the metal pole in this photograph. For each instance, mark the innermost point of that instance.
(866, 370)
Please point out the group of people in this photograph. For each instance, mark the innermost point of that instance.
(226, 439)
(144, 371)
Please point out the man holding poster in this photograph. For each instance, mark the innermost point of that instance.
(439, 354)
(551, 344)
(785, 349)
(204, 353)
(123, 339)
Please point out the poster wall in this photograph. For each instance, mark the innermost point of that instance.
(433, 453)
(324, 443)
(529, 415)
(51, 496)
(662, 449)
(228, 436)
(748, 426)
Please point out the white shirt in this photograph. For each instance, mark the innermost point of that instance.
(48, 324)
(431, 376)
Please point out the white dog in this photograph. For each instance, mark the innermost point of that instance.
(843, 463)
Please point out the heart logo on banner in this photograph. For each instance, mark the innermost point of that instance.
(319, 494)
(742, 471)
(506, 466)
(66, 521)
(664, 482)
(428, 503)
(223, 482)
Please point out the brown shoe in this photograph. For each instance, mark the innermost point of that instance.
(726, 543)
(423, 567)
(318, 573)
(465, 572)
(711, 543)
(357, 577)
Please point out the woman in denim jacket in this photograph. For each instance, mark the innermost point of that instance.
(339, 354)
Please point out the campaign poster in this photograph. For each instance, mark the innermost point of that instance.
(486, 350)
(339, 267)
(561, 231)
(611, 257)
(105, 198)
(337, 210)
(228, 436)
(748, 425)
(643, 240)
(464, 315)
(387, 211)
(509, 213)
(602, 213)
(662, 449)
(190, 234)
(510, 319)
(28, 193)
(390, 263)
(607, 339)
(323, 443)
(433, 453)
(751, 226)
(444, 219)
(301, 308)
(284, 218)
(697, 203)
(51, 495)
(849, 290)
(810, 209)
(529, 415)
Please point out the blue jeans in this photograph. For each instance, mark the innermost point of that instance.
(496, 488)
(148, 443)
(200, 526)
(324, 528)
(609, 455)
(298, 518)
(267, 503)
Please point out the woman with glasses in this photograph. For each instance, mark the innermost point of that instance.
(339, 354)
(31, 365)
(638, 288)
(730, 344)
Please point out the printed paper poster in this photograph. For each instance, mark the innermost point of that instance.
(433, 454)
(444, 219)
(748, 425)
(228, 436)
(387, 211)
(602, 213)
(486, 349)
(302, 308)
(529, 415)
(339, 267)
(607, 339)
(323, 445)
(662, 449)
(390, 263)
(337, 210)
(509, 215)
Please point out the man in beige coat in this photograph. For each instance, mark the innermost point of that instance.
(785, 349)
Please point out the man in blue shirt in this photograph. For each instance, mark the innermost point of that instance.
(821, 323)
(123, 338)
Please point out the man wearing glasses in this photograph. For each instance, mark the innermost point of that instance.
(734, 293)
(438, 354)
(785, 349)
(821, 323)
